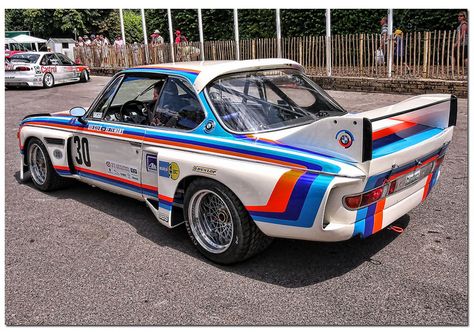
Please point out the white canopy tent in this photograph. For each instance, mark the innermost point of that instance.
(25, 39)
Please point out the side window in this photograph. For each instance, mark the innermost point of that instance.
(178, 106)
(134, 99)
(49, 60)
(103, 103)
(64, 59)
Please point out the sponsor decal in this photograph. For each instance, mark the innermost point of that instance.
(209, 126)
(49, 69)
(163, 171)
(100, 128)
(97, 115)
(173, 171)
(151, 163)
(169, 170)
(57, 154)
(205, 170)
(121, 170)
(345, 138)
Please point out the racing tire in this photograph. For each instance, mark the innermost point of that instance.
(41, 169)
(85, 76)
(48, 80)
(219, 225)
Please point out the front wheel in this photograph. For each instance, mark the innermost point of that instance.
(41, 169)
(219, 225)
(84, 76)
(48, 80)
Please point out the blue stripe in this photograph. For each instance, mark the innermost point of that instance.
(405, 143)
(295, 202)
(389, 139)
(310, 207)
(111, 181)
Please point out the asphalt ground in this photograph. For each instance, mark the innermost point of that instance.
(83, 256)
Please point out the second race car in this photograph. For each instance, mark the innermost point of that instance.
(43, 69)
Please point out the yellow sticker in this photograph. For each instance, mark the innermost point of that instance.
(173, 170)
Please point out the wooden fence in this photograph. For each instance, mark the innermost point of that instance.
(414, 55)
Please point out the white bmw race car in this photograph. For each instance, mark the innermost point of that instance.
(43, 69)
(243, 151)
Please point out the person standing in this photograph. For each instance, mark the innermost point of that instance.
(180, 38)
(119, 50)
(382, 51)
(460, 50)
(156, 38)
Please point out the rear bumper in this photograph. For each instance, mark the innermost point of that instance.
(12, 79)
(334, 222)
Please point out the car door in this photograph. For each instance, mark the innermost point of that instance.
(67, 68)
(177, 112)
(107, 150)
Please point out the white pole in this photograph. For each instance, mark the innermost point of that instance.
(145, 37)
(122, 28)
(236, 31)
(390, 43)
(328, 42)
(278, 27)
(170, 27)
(201, 34)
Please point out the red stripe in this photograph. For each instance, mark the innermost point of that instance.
(427, 186)
(171, 68)
(281, 194)
(391, 130)
(145, 186)
(166, 198)
(62, 168)
(378, 216)
(85, 170)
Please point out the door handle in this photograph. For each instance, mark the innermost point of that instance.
(138, 144)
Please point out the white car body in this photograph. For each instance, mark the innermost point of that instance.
(32, 74)
(293, 182)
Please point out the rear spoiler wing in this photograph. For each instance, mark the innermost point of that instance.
(350, 137)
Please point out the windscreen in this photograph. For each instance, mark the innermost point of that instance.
(24, 57)
(267, 100)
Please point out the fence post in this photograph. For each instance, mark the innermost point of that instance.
(253, 49)
(278, 32)
(170, 26)
(361, 52)
(145, 37)
(390, 42)
(201, 34)
(425, 54)
(328, 42)
(236, 32)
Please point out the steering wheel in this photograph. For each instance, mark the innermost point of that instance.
(127, 113)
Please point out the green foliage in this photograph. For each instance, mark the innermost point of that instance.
(132, 22)
(218, 24)
(257, 23)
(157, 19)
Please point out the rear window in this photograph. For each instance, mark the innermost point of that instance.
(24, 57)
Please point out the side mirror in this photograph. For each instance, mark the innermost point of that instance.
(78, 112)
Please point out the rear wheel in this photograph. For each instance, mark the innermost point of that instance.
(48, 80)
(219, 225)
(41, 169)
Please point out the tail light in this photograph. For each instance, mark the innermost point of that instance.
(360, 200)
(23, 68)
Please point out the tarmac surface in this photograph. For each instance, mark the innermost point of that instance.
(83, 256)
